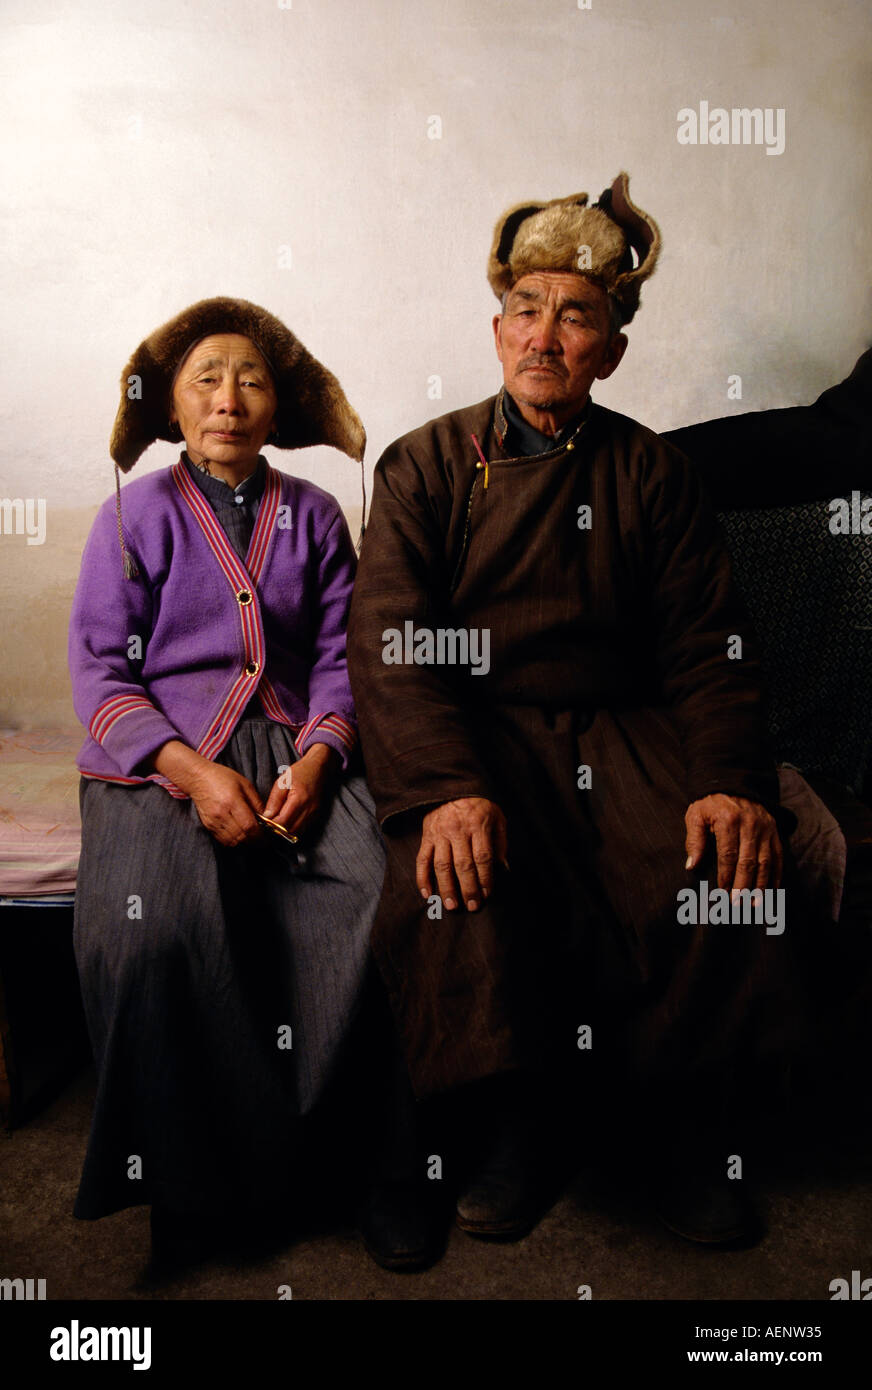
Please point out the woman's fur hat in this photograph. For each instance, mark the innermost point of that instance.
(312, 408)
(567, 235)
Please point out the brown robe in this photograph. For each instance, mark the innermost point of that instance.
(608, 648)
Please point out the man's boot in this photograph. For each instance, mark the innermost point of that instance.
(700, 1188)
(501, 1197)
(401, 1219)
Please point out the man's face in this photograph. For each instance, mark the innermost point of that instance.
(554, 339)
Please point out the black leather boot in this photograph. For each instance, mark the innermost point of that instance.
(700, 1187)
(401, 1218)
(501, 1197)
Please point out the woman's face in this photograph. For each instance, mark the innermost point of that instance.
(224, 402)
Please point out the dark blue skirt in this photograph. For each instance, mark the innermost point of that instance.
(220, 985)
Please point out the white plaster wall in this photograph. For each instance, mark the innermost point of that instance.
(159, 152)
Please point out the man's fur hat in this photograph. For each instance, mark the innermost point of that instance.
(312, 408)
(567, 235)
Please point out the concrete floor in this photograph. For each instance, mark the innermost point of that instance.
(817, 1199)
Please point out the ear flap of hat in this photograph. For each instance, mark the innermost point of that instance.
(641, 232)
(142, 415)
(312, 407)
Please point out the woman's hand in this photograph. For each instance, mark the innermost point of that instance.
(225, 800)
(302, 790)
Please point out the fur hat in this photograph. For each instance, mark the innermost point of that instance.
(550, 236)
(312, 408)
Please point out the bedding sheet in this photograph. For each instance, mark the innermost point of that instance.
(40, 831)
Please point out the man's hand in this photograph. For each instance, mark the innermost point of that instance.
(749, 850)
(300, 792)
(462, 840)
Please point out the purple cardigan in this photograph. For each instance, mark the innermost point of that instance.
(212, 632)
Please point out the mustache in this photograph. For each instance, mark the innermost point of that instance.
(537, 360)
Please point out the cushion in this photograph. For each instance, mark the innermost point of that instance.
(40, 831)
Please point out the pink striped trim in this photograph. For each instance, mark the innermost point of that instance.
(239, 578)
(239, 575)
(264, 526)
(332, 723)
(104, 777)
(227, 717)
(172, 789)
(113, 709)
(223, 552)
(137, 782)
(270, 702)
(307, 729)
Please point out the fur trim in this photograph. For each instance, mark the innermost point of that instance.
(312, 407)
(547, 236)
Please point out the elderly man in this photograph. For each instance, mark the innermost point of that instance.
(564, 732)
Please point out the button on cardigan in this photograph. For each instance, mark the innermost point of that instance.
(179, 651)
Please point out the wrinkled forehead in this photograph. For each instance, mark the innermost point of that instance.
(558, 286)
(218, 348)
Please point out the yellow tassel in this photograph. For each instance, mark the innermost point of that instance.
(484, 462)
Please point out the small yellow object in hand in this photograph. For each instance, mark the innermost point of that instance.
(274, 826)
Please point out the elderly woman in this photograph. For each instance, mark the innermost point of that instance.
(231, 863)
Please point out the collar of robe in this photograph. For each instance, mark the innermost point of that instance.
(518, 437)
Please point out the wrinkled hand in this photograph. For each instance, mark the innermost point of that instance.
(300, 792)
(749, 850)
(226, 802)
(462, 840)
